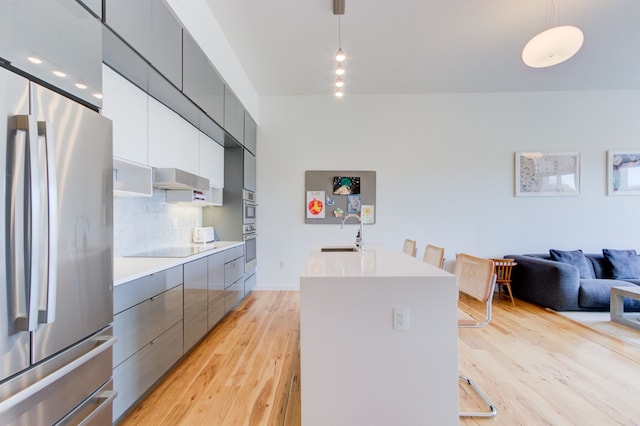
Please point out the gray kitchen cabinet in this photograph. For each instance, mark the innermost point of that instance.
(215, 289)
(233, 277)
(150, 27)
(166, 43)
(137, 291)
(95, 6)
(233, 271)
(138, 373)
(131, 20)
(141, 324)
(195, 301)
(249, 171)
(201, 82)
(233, 295)
(124, 60)
(39, 37)
(148, 324)
(250, 134)
(249, 283)
(233, 115)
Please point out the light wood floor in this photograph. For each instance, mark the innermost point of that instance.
(537, 367)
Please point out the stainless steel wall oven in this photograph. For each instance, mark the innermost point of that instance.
(250, 250)
(249, 207)
(249, 234)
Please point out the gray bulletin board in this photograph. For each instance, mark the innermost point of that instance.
(363, 182)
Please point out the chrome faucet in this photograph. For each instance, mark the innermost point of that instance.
(360, 236)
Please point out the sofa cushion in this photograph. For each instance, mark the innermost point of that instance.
(575, 258)
(595, 293)
(601, 266)
(624, 263)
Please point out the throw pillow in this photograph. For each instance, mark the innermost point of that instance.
(575, 258)
(624, 263)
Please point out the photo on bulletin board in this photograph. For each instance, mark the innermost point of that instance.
(367, 213)
(315, 205)
(345, 185)
(353, 203)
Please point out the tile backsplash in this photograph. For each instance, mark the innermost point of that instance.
(142, 224)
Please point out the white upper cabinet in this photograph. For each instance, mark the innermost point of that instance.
(211, 161)
(126, 105)
(173, 142)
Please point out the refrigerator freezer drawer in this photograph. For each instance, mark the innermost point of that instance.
(47, 392)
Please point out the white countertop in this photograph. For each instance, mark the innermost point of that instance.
(126, 269)
(375, 261)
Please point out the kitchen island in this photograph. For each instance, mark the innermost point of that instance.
(378, 332)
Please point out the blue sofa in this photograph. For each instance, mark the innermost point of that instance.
(559, 286)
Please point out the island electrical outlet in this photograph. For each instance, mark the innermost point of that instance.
(401, 318)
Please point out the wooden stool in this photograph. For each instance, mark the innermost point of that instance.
(503, 275)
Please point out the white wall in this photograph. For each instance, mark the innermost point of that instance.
(445, 172)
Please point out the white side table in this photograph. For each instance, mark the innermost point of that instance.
(617, 306)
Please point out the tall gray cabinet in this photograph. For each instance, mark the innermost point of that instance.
(150, 27)
(201, 83)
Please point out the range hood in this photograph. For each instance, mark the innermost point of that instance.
(171, 178)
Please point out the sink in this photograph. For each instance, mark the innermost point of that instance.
(339, 249)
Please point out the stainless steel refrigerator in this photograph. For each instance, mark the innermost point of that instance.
(56, 294)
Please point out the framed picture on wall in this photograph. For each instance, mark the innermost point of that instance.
(623, 172)
(547, 173)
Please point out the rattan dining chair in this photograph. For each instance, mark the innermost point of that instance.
(409, 247)
(477, 279)
(434, 255)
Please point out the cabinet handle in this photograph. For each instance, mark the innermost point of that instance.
(153, 342)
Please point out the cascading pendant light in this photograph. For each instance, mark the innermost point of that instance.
(338, 9)
(554, 45)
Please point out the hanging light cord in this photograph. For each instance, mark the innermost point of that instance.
(552, 19)
(339, 33)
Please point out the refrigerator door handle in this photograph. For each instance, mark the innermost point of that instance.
(105, 342)
(23, 202)
(48, 222)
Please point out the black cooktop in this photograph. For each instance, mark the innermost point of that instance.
(173, 251)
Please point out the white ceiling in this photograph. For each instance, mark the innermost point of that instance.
(287, 47)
